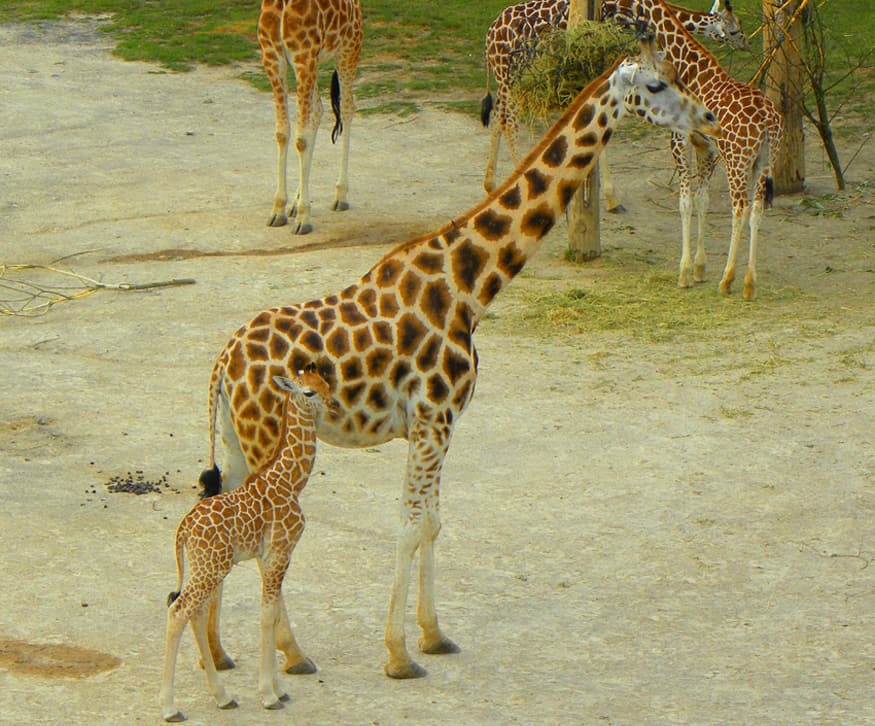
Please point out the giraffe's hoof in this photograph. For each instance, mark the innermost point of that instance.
(175, 717)
(285, 698)
(303, 229)
(442, 647)
(699, 274)
(229, 705)
(725, 287)
(619, 209)
(222, 662)
(302, 668)
(277, 705)
(408, 670)
(341, 206)
(278, 220)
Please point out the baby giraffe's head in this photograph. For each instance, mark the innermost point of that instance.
(308, 391)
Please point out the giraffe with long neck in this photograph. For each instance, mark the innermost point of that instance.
(752, 131)
(260, 519)
(396, 346)
(300, 33)
(518, 27)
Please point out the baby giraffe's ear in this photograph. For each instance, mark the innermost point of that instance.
(286, 384)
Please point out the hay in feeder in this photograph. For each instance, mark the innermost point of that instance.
(558, 65)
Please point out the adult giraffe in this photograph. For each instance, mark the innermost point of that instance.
(300, 33)
(513, 33)
(396, 346)
(752, 130)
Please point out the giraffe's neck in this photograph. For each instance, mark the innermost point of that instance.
(295, 451)
(696, 66)
(478, 254)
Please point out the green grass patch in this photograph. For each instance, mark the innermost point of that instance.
(640, 299)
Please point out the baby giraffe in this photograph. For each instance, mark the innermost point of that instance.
(260, 519)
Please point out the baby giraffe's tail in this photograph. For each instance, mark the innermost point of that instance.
(181, 537)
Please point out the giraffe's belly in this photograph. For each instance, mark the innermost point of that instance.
(360, 428)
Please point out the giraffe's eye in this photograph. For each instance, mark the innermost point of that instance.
(657, 86)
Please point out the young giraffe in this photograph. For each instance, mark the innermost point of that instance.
(301, 33)
(396, 347)
(260, 519)
(752, 131)
(514, 31)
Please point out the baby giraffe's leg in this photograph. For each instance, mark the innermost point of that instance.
(297, 663)
(273, 569)
(175, 627)
(199, 626)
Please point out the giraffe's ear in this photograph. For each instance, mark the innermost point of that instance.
(626, 72)
(286, 384)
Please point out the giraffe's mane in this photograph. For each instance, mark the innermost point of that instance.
(694, 44)
(462, 220)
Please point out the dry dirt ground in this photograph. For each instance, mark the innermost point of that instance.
(637, 530)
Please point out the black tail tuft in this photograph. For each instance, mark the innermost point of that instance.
(211, 482)
(770, 192)
(335, 106)
(486, 109)
(171, 598)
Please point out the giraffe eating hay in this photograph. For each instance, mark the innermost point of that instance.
(752, 131)
(514, 31)
(300, 33)
(260, 519)
(396, 347)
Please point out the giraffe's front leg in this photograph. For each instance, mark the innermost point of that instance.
(427, 448)
(432, 641)
(740, 212)
(400, 664)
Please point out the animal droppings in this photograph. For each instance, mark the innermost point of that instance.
(136, 483)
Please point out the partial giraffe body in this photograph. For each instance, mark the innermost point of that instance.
(300, 33)
(517, 28)
(752, 131)
(261, 519)
(396, 347)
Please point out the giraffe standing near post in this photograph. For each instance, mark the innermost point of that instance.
(300, 33)
(260, 519)
(515, 30)
(752, 131)
(396, 346)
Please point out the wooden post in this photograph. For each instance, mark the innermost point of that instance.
(782, 35)
(584, 235)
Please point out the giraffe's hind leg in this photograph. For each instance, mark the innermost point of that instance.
(346, 65)
(274, 63)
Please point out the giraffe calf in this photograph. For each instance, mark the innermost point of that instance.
(261, 519)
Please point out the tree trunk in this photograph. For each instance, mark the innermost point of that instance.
(785, 87)
(584, 235)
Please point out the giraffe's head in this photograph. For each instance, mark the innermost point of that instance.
(725, 27)
(309, 391)
(651, 89)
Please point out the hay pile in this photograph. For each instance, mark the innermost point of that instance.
(558, 65)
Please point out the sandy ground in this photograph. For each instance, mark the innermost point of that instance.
(635, 532)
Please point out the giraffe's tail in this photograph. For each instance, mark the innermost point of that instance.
(210, 479)
(335, 107)
(181, 536)
(486, 108)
